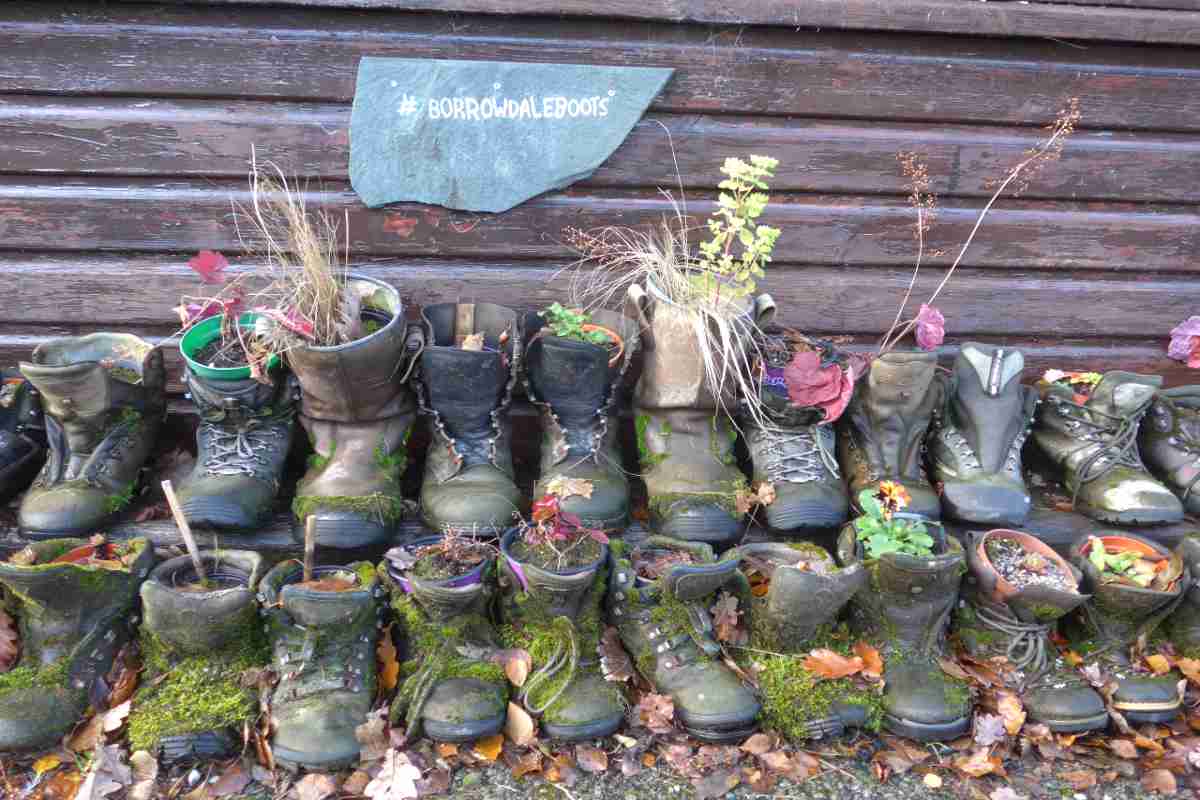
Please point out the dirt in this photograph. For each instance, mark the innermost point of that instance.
(330, 584)
(653, 564)
(219, 355)
(546, 557)
(433, 562)
(1023, 569)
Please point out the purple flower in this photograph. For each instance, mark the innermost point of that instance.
(1185, 342)
(931, 327)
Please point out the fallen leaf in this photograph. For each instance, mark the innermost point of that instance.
(1190, 667)
(516, 664)
(389, 666)
(397, 779)
(1072, 658)
(989, 729)
(615, 662)
(1123, 748)
(488, 748)
(759, 743)
(872, 661)
(953, 669)
(145, 773)
(932, 780)
(357, 782)
(234, 780)
(86, 735)
(10, 642)
(1159, 780)
(108, 773)
(828, 665)
(563, 487)
(316, 786)
(886, 763)
(519, 728)
(1079, 779)
(715, 784)
(1147, 743)
(473, 341)
(373, 739)
(1005, 793)
(437, 781)
(45, 764)
(649, 759)
(591, 759)
(1012, 712)
(656, 712)
(64, 785)
(523, 764)
(1158, 663)
(978, 763)
(114, 718)
(124, 675)
(446, 749)
(725, 617)
(561, 770)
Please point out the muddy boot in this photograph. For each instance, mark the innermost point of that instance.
(904, 611)
(358, 413)
(1107, 626)
(242, 443)
(73, 618)
(556, 616)
(975, 445)
(196, 644)
(451, 692)
(1095, 443)
(1170, 442)
(576, 383)
(103, 400)
(998, 618)
(666, 625)
(883, 430)
(22, 434)
(1183, 625)
(469, 484)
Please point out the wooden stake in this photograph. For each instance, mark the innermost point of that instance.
(310, 546)
(184, 530)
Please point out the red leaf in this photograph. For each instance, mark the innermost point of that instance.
(209, 265)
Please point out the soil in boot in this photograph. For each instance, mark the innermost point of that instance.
(22, 434)
(1183, 625)
(1170, 442)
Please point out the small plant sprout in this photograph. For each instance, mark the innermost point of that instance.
(734, 258)
(551, 527)
(1126, 566)
(573, 324)
(879, 529)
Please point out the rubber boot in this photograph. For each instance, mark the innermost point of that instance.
(1095, 443)
(998, 619)
(666, 626)
(73, 619)
(905, 610)
(1170, 442)
(103, 400)
(883, 429)
(358, 413)
(1183, 625)
(453, 693)
(191, 704)
(22, 434)
(242, 442)
(469, 481)
(556, 616)
(976, 440)
(575, 383)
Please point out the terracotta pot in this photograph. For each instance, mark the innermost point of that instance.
(1030, 544)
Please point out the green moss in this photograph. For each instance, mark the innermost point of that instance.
(646, 457)
(725, 496)
(115, 502)
(125, 375)
(385, 507)
(318, 462)
(366, 572)
(793, 698)
(48, 676)
(393, 464)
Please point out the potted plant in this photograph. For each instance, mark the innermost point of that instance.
(577, 324)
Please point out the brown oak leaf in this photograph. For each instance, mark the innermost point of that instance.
(828, 665)
(615, 662)
(726, 617)
(872, 661)
(656, 712)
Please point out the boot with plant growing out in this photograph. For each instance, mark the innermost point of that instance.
(22, 433)
(1170, 441)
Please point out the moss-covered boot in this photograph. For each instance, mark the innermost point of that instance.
(322, 636)
(103, 400)
(883, 430)
(976, 440)
(22, 434)
(451, 692)
(196, 644)
(467, 390)
(358, 412)
(1095, 443)
(659, 598)
(1015, 621)
(1183, 625)
(1117, 615)
(576, 383)
(74, 616)
(905, 611)
(1170, 442)
(555, 614)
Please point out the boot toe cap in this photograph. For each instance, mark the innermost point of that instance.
(987, 500)
(696, 519)
(1147, 699)
(923, 703)
(808, 505)
(1071, 708)
(225, 503)
(589, 708)
(31, 719)
(607, 508)
(714, 706)
(1135, 499)
(318, 731)
(64, 510)
(462, 710)
(480, 498)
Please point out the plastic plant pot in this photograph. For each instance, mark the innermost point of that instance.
(202, 334)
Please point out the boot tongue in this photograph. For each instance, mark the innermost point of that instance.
(572, 376)
(464, 387)
(1120, 394)
(987, 401)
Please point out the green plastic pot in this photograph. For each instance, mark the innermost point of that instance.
(205, 331)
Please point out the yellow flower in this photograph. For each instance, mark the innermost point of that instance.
(893, 496)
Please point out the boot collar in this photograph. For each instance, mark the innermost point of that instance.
(993, 367)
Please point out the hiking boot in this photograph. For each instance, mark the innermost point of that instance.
(469, 481)
(576, 385)
(1095, 443)
(1170, 442)
(323, 650)
(22, 434)
(998, 618)
(883, 429)
(358, 413)
(905, 610)
(453, 693)
(242, 442)
(666, 625)
(196, 644)
(1183, 625)
(73, 618)
(555, 616)
(975, 445)
(103, 400)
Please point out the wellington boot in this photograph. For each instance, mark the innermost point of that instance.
(1170, 442)
(1183, 625)
(22, 434)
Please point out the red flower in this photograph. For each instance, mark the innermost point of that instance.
(931, 327)
(811, 385)
(1185, 342)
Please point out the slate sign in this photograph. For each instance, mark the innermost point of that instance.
(487, 135)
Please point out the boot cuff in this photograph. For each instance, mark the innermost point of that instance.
(281, 589)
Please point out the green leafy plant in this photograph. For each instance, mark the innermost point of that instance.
(881, 532)
(741, 202)
(1128, 565)
(572, 324)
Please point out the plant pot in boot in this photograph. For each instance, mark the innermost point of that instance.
(358, 413)
(1014, 594)
(1121, 611)
(103, 399)
(452, 692)
(904, 611)
(466, 386)
(197, 641)
(976, 440)
(1183, 625)
(1170, 442)
(553, 610)
(322, 636)
(883, 430)
(22, 434)
(75, 605)
(666, 625)
(1094, 441)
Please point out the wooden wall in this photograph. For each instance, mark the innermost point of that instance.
(127, 130)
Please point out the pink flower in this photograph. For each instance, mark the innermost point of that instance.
(931, 327)
(1185, 342)
(827, 388)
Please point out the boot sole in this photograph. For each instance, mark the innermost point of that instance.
(716, 736)
(1148, 712)
(712, 528)
(463, 731)
(292, 760)
(1128, 517)
(43, 533)
(577, 733)
(1075, 725)
(927, 731)
(344, 531)
(806, 519)
(204, 513)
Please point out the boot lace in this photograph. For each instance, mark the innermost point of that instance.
(235, 452)
(1026, 640)
(565, 656)
(1117, 437)
(796, 456)
(327, 661)
(1187, 442)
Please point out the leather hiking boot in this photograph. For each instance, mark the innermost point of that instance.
(73, 616)
(666, 625)
(469, 481)
(1095, 443)
(451, 692)
(905, 611)
(22, 434)
(1016, 620)
(103, 400)
(196, 644)
(555, 616)
(358, 413)
(976, 440)
(576, 383)
(883, 429)
(1183, 625)
(1170, 442)
(242, 442)
(1118, 614)
(322, 638)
